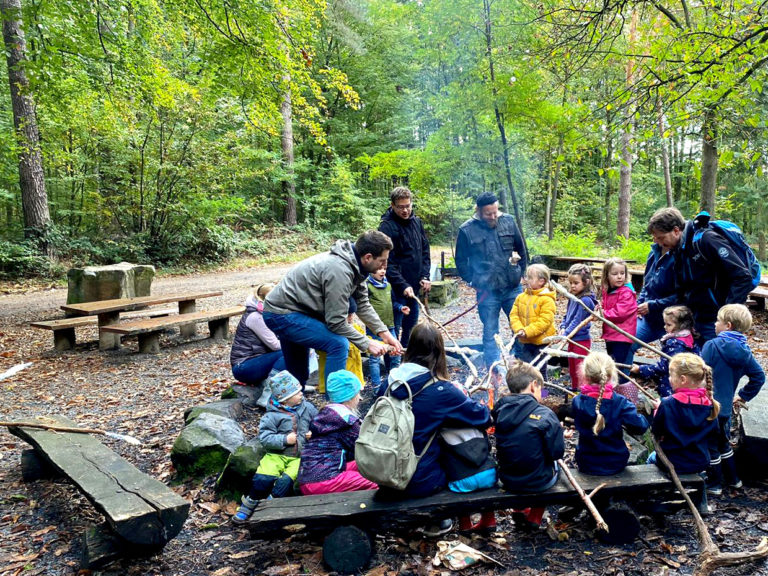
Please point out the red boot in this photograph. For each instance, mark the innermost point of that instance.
(488, 521)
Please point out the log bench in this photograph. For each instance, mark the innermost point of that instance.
(349, 519)
(64, 328)
(148, 331)
(142, 514)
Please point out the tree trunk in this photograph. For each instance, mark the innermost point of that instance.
(625, 173)
(34, 200)
(709, 160)
(289, 187)
(761, 251)
(500, 122)
(664, 156)
(607, 170)
(555, 186)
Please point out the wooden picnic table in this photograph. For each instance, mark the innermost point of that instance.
(108, 311)
(575, 259)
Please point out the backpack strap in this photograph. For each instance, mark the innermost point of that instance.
(431, 439)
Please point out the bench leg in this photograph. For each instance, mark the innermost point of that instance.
(108, 341)
(34, 467)
(149, 343)
(347, 550)
(64, 339)
(219, 329)
(187, 307)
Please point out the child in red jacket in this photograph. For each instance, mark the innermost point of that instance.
(620, 307)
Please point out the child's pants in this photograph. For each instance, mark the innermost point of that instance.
(275, 475)
(621, 352)
(348, 481)
(574, 364)
(722, 463)
(530, 351)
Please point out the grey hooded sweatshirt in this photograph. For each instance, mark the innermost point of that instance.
(321, 287)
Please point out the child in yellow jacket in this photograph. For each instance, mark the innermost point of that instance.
(533, 314)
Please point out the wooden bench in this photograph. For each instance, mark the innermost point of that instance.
(350, 518)
(142, 514)
(148, 331)
(760, 294)
(64, 328)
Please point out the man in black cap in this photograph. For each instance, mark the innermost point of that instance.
(491, 257)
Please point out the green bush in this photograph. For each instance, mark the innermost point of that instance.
(22, 259)
(636, 250)
(561, 244)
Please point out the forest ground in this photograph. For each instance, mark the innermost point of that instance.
(145, 395)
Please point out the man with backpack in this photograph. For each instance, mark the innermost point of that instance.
(714, 265)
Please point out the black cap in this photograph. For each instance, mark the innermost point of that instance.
(485, 199)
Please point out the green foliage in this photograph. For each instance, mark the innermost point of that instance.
(22, 259)
(582, 244)
(630, 249)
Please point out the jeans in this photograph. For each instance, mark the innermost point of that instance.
(298, 333)
(256, 369)
(406, 323)
(647, 332)
(489, 304)
(620, 352)
(374, 363)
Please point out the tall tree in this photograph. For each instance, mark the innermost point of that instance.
(34, 199)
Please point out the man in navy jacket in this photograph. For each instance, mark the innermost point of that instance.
(408, 269)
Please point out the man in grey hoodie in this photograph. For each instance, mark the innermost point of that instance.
(308, 308)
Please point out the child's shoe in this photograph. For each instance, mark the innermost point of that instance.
(469, 523)
(716, 490)
(434, 530)
(246, 509)
(736, 485)
(488, 521)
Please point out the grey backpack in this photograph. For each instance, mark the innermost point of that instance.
(384, 449)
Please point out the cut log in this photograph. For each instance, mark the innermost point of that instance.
(347, 550)
(141, 510)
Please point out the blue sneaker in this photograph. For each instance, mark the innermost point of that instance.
(246, 509)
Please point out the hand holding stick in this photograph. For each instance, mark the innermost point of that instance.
(597, 315)
(601, 525)
(572, 333)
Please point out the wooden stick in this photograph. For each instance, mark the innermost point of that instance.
(573, 332)
(56, 428)
(611, 324)
(472, 367)
(556, 352)
(601, 525)
(710, 558)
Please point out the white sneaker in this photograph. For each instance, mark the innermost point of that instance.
(433, 530)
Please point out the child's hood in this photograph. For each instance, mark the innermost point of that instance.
(545, 292)
(516, 408)
(733, 348)
(331, 418)
(415, 375)
(253, 302)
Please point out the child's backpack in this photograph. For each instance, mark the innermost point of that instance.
(735, 237)
(384, 449)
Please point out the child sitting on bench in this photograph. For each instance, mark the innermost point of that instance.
(529, 439)
(600, 415)
(328, 460)
(283, 430)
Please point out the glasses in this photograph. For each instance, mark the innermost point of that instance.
(403, 207)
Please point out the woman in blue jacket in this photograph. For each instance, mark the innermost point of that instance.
(657, 294)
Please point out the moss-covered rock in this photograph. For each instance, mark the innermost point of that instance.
(204, 446)
(241, 465)
(232, 408)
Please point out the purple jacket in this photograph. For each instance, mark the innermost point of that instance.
(334, 432)
(575, 315)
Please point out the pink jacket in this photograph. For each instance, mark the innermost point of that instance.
(620, 307)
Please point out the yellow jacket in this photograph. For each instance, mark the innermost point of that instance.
(534, 312)
(354, 362)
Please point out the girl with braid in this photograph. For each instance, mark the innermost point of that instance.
(686, 423)
(601, 415)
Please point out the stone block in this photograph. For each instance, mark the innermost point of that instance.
(241, 465)
(230, 408)
(123, 280)
(752, 454)
(204, 446)
(443, 292)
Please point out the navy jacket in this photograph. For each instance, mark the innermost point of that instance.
(606, 453)
(660, 371)
(409, 261)
(529, 439)
(575, 315)
(658, 285)
(482, 254)
(439, 405)
(710, 276)
(730, 358)
(684, 434)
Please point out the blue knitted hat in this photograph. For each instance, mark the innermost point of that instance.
(284, 385)
(341, 386)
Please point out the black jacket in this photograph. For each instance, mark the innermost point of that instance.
(409, 261)
(710, 274)
(482, 254)
(529, 439)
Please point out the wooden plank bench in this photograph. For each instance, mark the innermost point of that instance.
(142, 513)
(64, 328)
(349, 518)
(148, 331)
(759, 295)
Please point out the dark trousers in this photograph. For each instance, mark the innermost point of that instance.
(621, 352)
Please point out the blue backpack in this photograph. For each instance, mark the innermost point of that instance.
(735, 237)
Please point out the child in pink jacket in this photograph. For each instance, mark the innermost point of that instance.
(620, 307)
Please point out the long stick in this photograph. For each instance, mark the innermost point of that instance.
(56, 428)
(611, 324)
(565, 354)
(472, 367)
(601, 525)
(572, 333)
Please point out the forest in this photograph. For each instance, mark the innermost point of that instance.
(172, 131)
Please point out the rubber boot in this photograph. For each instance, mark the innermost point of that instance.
(488, 521)
(466, 524)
